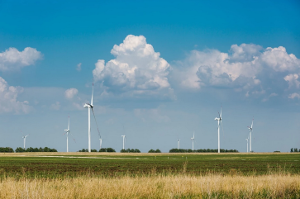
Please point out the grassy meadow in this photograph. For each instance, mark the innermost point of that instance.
(106, 175)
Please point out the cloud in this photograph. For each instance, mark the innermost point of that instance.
(12, 59)
(292, 79)
(78, 67)
(8, 99)
(136, 70)
(70, 93)
(294, 95)
(247, 67)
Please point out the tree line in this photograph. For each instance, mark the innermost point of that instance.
(101, 150)
(154, 151)
(130, 150)
(30, 149)
(202, 151)
(294, 150)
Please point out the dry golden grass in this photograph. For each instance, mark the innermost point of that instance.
(155, 186)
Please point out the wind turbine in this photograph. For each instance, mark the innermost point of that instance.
(250, 129)
(67, 131)
(123, 141)
(219, 119)
(24, 137)
(89, 107)
(178, 143)
(193, 139)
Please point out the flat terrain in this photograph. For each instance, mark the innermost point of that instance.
(53, 165)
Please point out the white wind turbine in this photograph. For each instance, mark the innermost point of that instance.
(219, 119)
(89, 107)
(178, 143)
(123, 141)
(24, 137)
(67, 131)
(250, 129)
(193, 140)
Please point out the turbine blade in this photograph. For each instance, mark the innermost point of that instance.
(92, 95)
(96, 123)
(69, 123)
(252, 124)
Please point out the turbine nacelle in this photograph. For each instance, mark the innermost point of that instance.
(87, 105)
(218, 118)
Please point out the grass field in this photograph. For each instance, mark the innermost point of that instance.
(106, 175)
(76, 164)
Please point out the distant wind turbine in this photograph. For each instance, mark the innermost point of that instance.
(178, 143)
(250, 129)
(24, 137)
(67, 131)
(89, 107)
(219, 119)
(123, 141)
(193, 140)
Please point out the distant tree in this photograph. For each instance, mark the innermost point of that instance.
(83, 150)
(102, 150)
(292, 150)
(151, 151)
(110, 150)
(94, 150)
(20, 150)
(137, 151)
(6, 150)
(295, 150)
(157, 151)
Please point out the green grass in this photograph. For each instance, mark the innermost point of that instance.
(110, 166)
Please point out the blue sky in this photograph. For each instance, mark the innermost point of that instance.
(162, 70)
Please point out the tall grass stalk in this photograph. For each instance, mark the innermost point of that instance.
(154, 186)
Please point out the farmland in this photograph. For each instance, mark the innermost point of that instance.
(76, 164)
(103, 175)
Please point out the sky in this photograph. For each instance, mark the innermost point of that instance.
(162, 70)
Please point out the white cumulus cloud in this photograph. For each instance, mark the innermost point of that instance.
(137, 68)
(12, 59)
(247, 67)
(70, 93)
(8, 99)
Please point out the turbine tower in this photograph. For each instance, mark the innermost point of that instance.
(178, 143)
(89, 107)
(24, 137)
(67, 131)
(250, 129)
(123, 141)
(193, 139)
(100, 139)
(219, 119)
